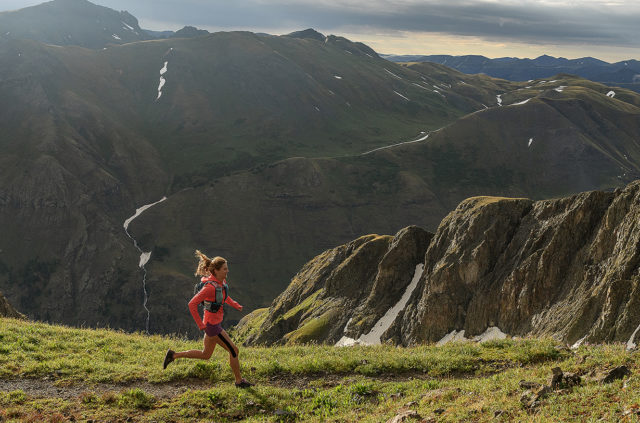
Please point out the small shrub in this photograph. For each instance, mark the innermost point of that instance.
(213, 397)
(88, 398)
(205, 370)
(324, 404)
(498, 344)
(109, 398)
(13, 397)
(136, 398)
(362, 388)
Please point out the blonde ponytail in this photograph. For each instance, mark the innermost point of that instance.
(207, 265)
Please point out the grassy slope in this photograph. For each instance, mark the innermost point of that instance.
(317, 383)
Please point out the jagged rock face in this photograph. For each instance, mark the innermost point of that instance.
(567, 268)
(7, 310)
(355, 282)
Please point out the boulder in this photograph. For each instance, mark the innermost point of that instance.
(7, 310)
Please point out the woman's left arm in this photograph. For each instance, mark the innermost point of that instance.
(233, 303)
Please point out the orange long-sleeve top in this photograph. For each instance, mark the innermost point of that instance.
(208, 293)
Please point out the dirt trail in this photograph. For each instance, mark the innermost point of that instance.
(49, 388)
(52, 388)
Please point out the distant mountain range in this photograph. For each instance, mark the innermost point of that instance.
(269, 149)
(624, 74)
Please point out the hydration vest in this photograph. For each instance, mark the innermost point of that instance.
(222, 292)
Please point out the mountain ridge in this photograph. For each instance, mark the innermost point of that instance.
(625, 73)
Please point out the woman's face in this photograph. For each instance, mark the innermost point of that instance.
(221, 274)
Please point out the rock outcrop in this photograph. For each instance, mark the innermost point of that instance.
(343, 291)
(567, 268)
(7, 310)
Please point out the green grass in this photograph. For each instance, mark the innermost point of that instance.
(120, 377)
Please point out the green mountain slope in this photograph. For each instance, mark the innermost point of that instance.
(86, 139)
(259, 142)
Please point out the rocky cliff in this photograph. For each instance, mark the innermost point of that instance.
(7, 310)
(343, 291)
(567, 268)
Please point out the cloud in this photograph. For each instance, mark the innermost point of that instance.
(575, 22)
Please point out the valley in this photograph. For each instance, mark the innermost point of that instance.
(269, 150)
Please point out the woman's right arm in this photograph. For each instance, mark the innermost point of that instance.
(193, 306)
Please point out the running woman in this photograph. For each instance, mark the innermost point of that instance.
(214, 274)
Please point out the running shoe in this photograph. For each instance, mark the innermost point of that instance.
(243, 384)
(167, 359)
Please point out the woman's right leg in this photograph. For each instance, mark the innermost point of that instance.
(226, 343)
(209, 344)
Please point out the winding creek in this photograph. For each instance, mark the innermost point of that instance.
(144, 256)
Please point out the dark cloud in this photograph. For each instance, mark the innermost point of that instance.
(535, 22)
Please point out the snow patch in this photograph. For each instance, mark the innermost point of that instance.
(452, 336)
(402, 96)
(391, 73)
(162, 80)
(347, 325)
(400, 143)
(560, 88)
(139, 211)
(578, 342)
(630, 343)
(126, 26)
(385, 322)
(491, 334)
(611, 94)
(317, 108)
(144, 259)
(115, 36)
(418, 85)
(530, 141)
(521, 103)
(144, 256)
(499, 99)
(337, 77)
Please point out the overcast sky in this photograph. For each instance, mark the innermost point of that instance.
(606, 29)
